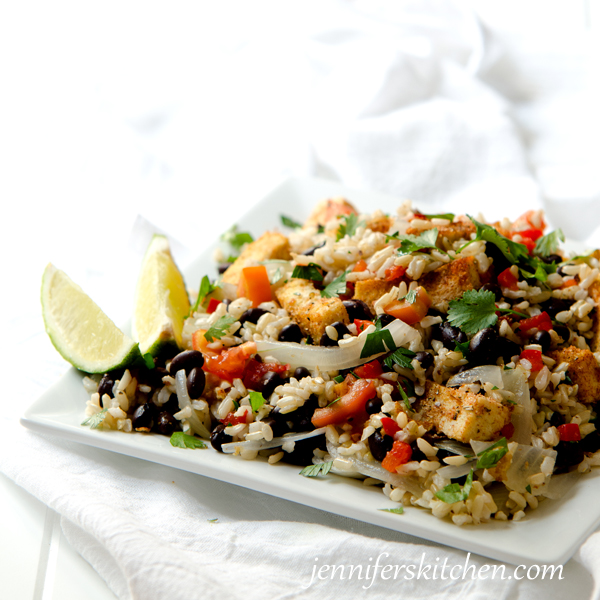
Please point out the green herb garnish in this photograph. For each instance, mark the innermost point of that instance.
(401, 357)
(256, 400)
(462, 347)
(287, 222)
(491, 456)
(149, 360)
(378, 341)
(96, 420)
(318, 469)
(236, 239)
(312, 271)
(335, 288)
(183, 440)
(206, 288)
(413, 243)
(404, 394)
(528, 489)
(448, 216)
(548, 244)
(453, 492)
(396, 511)
(333, 402)
(220, 328)
(338, 378)
(348, 227)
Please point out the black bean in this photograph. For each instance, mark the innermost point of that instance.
(556, 305)
(187, 360)
(269, 382)
(222, 267)
(507, 349)
(172, 405)
(341, 331)
(373, 406)
(385, 319)
(542, 338)
(357, 309)
(301, 372)
(195, 383)
(500, 261)
(483, 347)
(552, 258)
(568, 455)
(591, 442)
(425, 358)
(218, 437)
(561, 271)
(252, 315)
(290, 333)
(494, 288)
(166, 423)
(448, 335)
(304, 451)
(417, 453)
(278, 426)
(556, 420)
(311, 250)
(380, 445)
(106, 386)
(144, 417)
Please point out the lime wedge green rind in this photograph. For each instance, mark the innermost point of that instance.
(161, 300)
(79, 330)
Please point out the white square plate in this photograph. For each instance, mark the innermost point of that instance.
(550, 534)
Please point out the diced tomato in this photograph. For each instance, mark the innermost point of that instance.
(255, 371)
(542, 322)
(508, 431)
(231, 419)
(350, 404)
(533, 234)
(529, 243)
(400, 454)
(394, 273)
(361, 325)
(255, 285)
(528, 217)
(508, 280)
(419, 215)
(213, 303)
(534, 357)
(568, 283)
(569, 432)
(199, 342)
(360, 266)
(410, 313)
(370, 370)
(229, 364)
(389, 426)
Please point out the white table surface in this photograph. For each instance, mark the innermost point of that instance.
(36, 561)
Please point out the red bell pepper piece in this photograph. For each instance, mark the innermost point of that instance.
(534, 357)
(394, 273)
(569, 432)
(213, 303)
(370, 370)
(399, 455)
(390, 426)
(362, 324)
(542, 322)
(508, 280)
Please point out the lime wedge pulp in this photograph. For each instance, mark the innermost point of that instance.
(161, 300)
(79, 330)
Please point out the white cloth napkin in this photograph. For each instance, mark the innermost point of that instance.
(416, 99)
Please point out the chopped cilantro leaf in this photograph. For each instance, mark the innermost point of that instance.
(335, 288)
(220, 328)
(548, 244)
(256, 400)
(318, 469)
(236, 404)
(378, 341)
(396, 511)
(411, 297)
(311, 271)
(236, 239)
(413, 243)
(404, 395)
(96, 420)
(473, 311)
(183, 440)
(287, 222)
(348, 226)
(568, 379)
(462, 347)
(401, 357)
(454, 493)
(528, 489)
(206, 288)
(213, 520)
(149, 360)
(490, 457)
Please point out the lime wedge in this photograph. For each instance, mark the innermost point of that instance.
(79, 329)
(161, 300)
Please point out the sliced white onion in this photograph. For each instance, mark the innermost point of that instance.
(515, 381)
(454, 471)
(346, 356)
(278, 270)
(454, 446)
(184, 400)
(527, 461)
(230, 447)
(485, 374)
(560, 484)
(376, 471)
